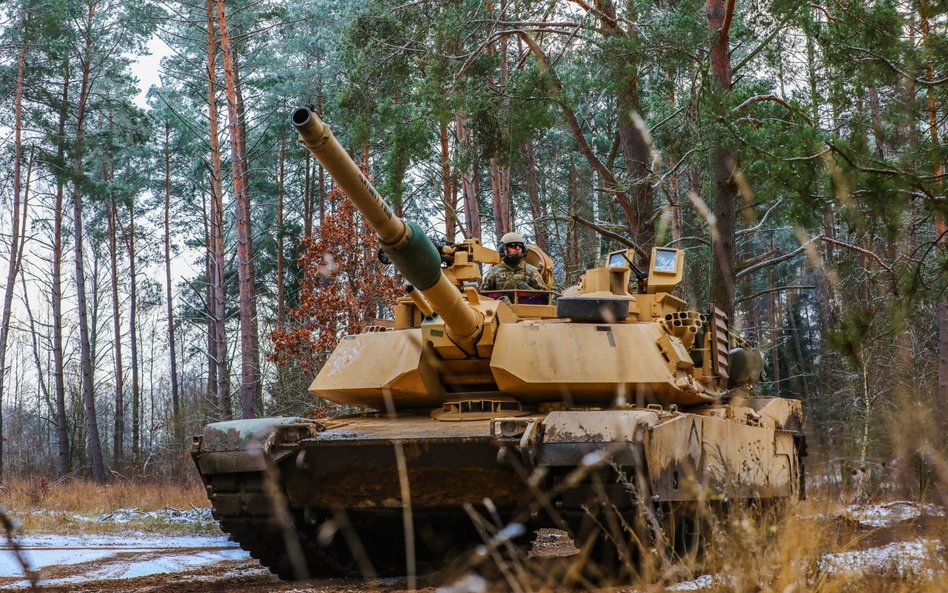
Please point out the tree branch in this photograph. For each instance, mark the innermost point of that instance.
(762, 220)
(755, 260)
(887, 62)
(760, 46)
(836, 149)
(860, 250)
(701, 240)
(776, 289)
(728, 17)
(760, 98)
(610, 234)
(770, 262)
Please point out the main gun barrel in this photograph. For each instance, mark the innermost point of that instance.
(413, 254)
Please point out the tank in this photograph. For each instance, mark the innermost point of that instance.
(490, 416)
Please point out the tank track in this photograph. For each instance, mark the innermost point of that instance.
(245, 512)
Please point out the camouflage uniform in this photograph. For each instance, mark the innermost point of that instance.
(523, 276)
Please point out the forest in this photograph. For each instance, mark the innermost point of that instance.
(184, 261)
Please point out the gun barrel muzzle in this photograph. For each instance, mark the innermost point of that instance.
(318, 138)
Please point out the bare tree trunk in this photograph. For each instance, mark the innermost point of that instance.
(860, 495)
(211, 405)
(825, 289)
(242, 126)
(875, 113)
(500, 195)
(62, 431)
(635, 148)
(248, 317)
(774, 330)
(720, 13)
(696, 285)
(674, 202)
(310, 197)
(321, 175)
(533, 192)
(307, 198)
(472, 208)
(175, 393)
(13, 267)
(941, 395)
(281, 298)
(94, 309)
(118, 437)
(500, 168)
(674, 180)
(218, 351)
(449, 198)
(88, 388)
(573, 259)
(133, 320)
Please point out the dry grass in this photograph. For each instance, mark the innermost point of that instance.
(774, 551)
(75, 505)
(789, 553)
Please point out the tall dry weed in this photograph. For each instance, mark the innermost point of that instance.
(85, 497)
(41, 505)
(786, 548)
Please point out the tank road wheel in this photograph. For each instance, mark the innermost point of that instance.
(687, 527)
(245, 511)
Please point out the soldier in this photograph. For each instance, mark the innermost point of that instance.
(513, 273)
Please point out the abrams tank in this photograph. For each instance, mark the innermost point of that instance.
(612, 411)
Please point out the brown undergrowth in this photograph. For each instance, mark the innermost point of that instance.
(811, 546)
(815, 547)
(77, 505)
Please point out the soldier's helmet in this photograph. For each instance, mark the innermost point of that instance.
(512, 248)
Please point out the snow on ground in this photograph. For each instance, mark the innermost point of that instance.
(200, 518)
(705, 581)
(923, 558)
(890, 513)
(117, 556)
(124, 541)
(918, 558)
(471, 583)
(124, 569)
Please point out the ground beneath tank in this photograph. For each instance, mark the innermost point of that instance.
(900, 538)
(208, 564)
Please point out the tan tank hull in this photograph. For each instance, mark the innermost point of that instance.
(366, 470)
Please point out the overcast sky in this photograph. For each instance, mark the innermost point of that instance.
(148, 68)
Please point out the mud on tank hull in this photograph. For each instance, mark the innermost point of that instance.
(325, 499)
